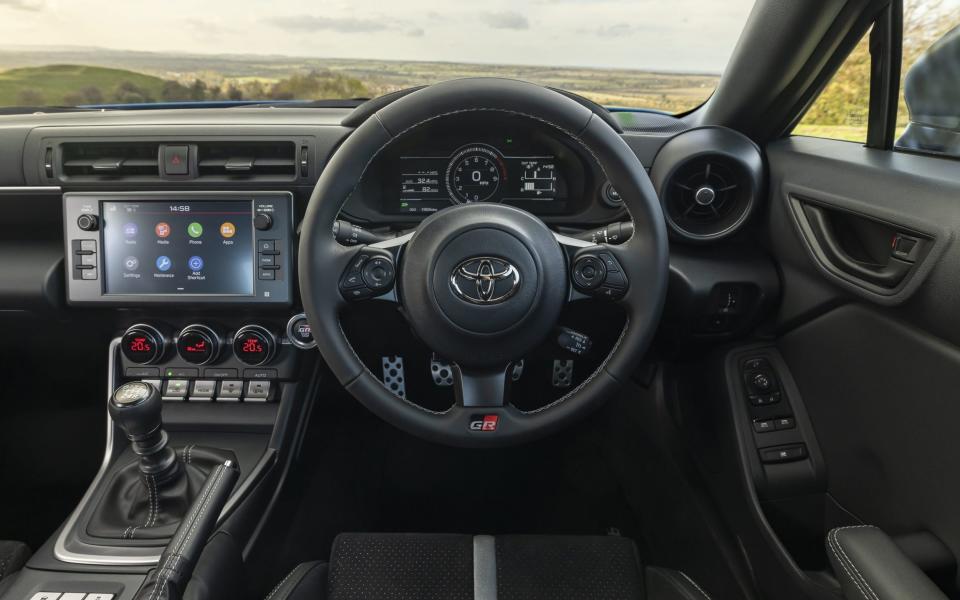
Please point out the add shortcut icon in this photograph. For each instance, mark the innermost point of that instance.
(195, 263)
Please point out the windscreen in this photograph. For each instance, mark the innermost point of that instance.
(652, 54)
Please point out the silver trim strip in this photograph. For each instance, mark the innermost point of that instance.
(60, 550)
(30, 189)
(393, 242)
(566, 240)
(484, 567)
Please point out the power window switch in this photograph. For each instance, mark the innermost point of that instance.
(763, 426)
(257, 391)
(782, 454)
(784, 423)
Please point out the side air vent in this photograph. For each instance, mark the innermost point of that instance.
(708, 180)
(261, 160)
(99, 161)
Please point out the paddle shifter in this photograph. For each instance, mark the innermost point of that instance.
(136, 408)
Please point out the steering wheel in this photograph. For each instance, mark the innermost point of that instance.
(483, 284)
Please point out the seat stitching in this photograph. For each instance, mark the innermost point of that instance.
(830, 544)
(836, 537)
(282, 581)
(694, 584)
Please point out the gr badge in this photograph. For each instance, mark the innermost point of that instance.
(484, 422)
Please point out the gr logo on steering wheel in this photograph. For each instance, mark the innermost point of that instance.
(485, 280)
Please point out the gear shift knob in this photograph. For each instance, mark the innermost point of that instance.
(136, 408)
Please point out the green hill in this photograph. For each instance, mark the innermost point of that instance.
(76, 84)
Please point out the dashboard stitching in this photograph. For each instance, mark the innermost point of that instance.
(574, 136)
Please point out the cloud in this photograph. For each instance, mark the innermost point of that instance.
(505, 20)
(28, 5)
(309, 23)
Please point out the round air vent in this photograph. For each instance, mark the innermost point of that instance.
(708, 180)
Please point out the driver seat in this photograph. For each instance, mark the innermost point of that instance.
(377, 566)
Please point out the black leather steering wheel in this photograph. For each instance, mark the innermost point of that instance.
(483, 284)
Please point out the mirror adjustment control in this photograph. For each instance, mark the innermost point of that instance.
(198, 344)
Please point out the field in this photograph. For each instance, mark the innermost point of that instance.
(256, 75)
(65, 84)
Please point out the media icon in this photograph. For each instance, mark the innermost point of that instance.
(195, 263)
(164, 263)
(162, 229)
(195, 229)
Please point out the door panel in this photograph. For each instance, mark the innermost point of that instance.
(873, 344)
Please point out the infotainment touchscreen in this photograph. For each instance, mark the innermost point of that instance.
(178, 247)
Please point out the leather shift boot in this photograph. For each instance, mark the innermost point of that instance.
(140, 507)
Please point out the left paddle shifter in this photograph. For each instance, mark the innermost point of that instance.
(136, 408)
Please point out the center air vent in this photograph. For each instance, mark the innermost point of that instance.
(707, 180)
(262, 160)
(96, 161)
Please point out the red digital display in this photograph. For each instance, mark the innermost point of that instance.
(140, 344)
(251, 345)
(200, 346)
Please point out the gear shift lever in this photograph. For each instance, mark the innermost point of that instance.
(136, 408)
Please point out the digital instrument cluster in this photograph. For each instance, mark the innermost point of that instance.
(475, 172)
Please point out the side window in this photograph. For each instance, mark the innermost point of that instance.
(928, 115)
(842, 109)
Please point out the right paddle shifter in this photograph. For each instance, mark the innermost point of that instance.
(147, 498)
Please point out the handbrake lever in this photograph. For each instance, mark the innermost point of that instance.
(179, 558)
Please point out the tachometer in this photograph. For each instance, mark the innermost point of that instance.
(474, 174)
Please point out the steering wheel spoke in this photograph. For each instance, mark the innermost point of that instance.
(481, 388)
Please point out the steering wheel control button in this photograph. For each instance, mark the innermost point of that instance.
(198, 344)
(589, 273)
(378, 274)
(299, 332)
(254, 345)
(142, 344)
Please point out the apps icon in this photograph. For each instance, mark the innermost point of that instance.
(164, 263)
(162, 229)
(130, 230)
(195, 263)
(227, 229)
(131, 263)
(195, 229)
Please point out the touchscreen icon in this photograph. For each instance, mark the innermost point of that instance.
(162, 229)
(195, 263)
(131, 263)
(227, 229)
(195, 229)
(164, 263)
(130, 230)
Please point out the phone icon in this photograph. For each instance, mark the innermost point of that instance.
(195, 229)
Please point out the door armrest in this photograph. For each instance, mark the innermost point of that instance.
(870, 566)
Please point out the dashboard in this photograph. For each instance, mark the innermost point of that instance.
(479, 158)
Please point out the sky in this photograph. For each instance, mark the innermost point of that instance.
(672, 35)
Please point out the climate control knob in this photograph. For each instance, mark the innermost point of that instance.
(254, 345)
(143, 344)
(198, 344)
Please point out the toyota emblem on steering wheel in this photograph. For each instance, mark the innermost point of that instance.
(485, 280)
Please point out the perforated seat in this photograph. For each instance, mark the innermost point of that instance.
(462, 567)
